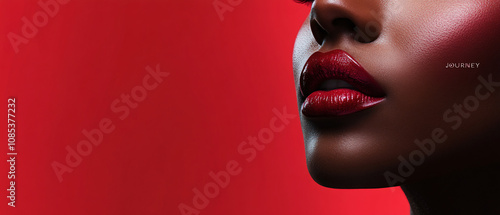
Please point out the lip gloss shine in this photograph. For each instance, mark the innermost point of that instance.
(337, 65)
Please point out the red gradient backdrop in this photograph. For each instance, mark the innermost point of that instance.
(225, 79)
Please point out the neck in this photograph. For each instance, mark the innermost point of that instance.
(475, 191)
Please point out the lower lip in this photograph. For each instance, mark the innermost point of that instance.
(337, 102)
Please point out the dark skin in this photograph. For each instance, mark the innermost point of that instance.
(472, 191)
(406, 46)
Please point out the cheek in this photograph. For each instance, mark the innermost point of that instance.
(461, 31)
(427, 40)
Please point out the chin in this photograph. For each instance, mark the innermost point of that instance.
(349, 163)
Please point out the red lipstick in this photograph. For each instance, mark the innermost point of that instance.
(334, 84)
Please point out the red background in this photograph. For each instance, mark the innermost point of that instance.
(225, 79)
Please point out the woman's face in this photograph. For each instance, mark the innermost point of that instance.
(383, 102)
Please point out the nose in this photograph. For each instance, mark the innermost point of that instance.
(357, 20)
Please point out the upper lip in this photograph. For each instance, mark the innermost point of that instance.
(337, 65)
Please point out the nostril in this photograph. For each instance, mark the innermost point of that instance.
(367, 33)
(364, 33)
(318, 32)
(343, 25)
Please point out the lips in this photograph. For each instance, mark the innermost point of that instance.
(334, 84)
